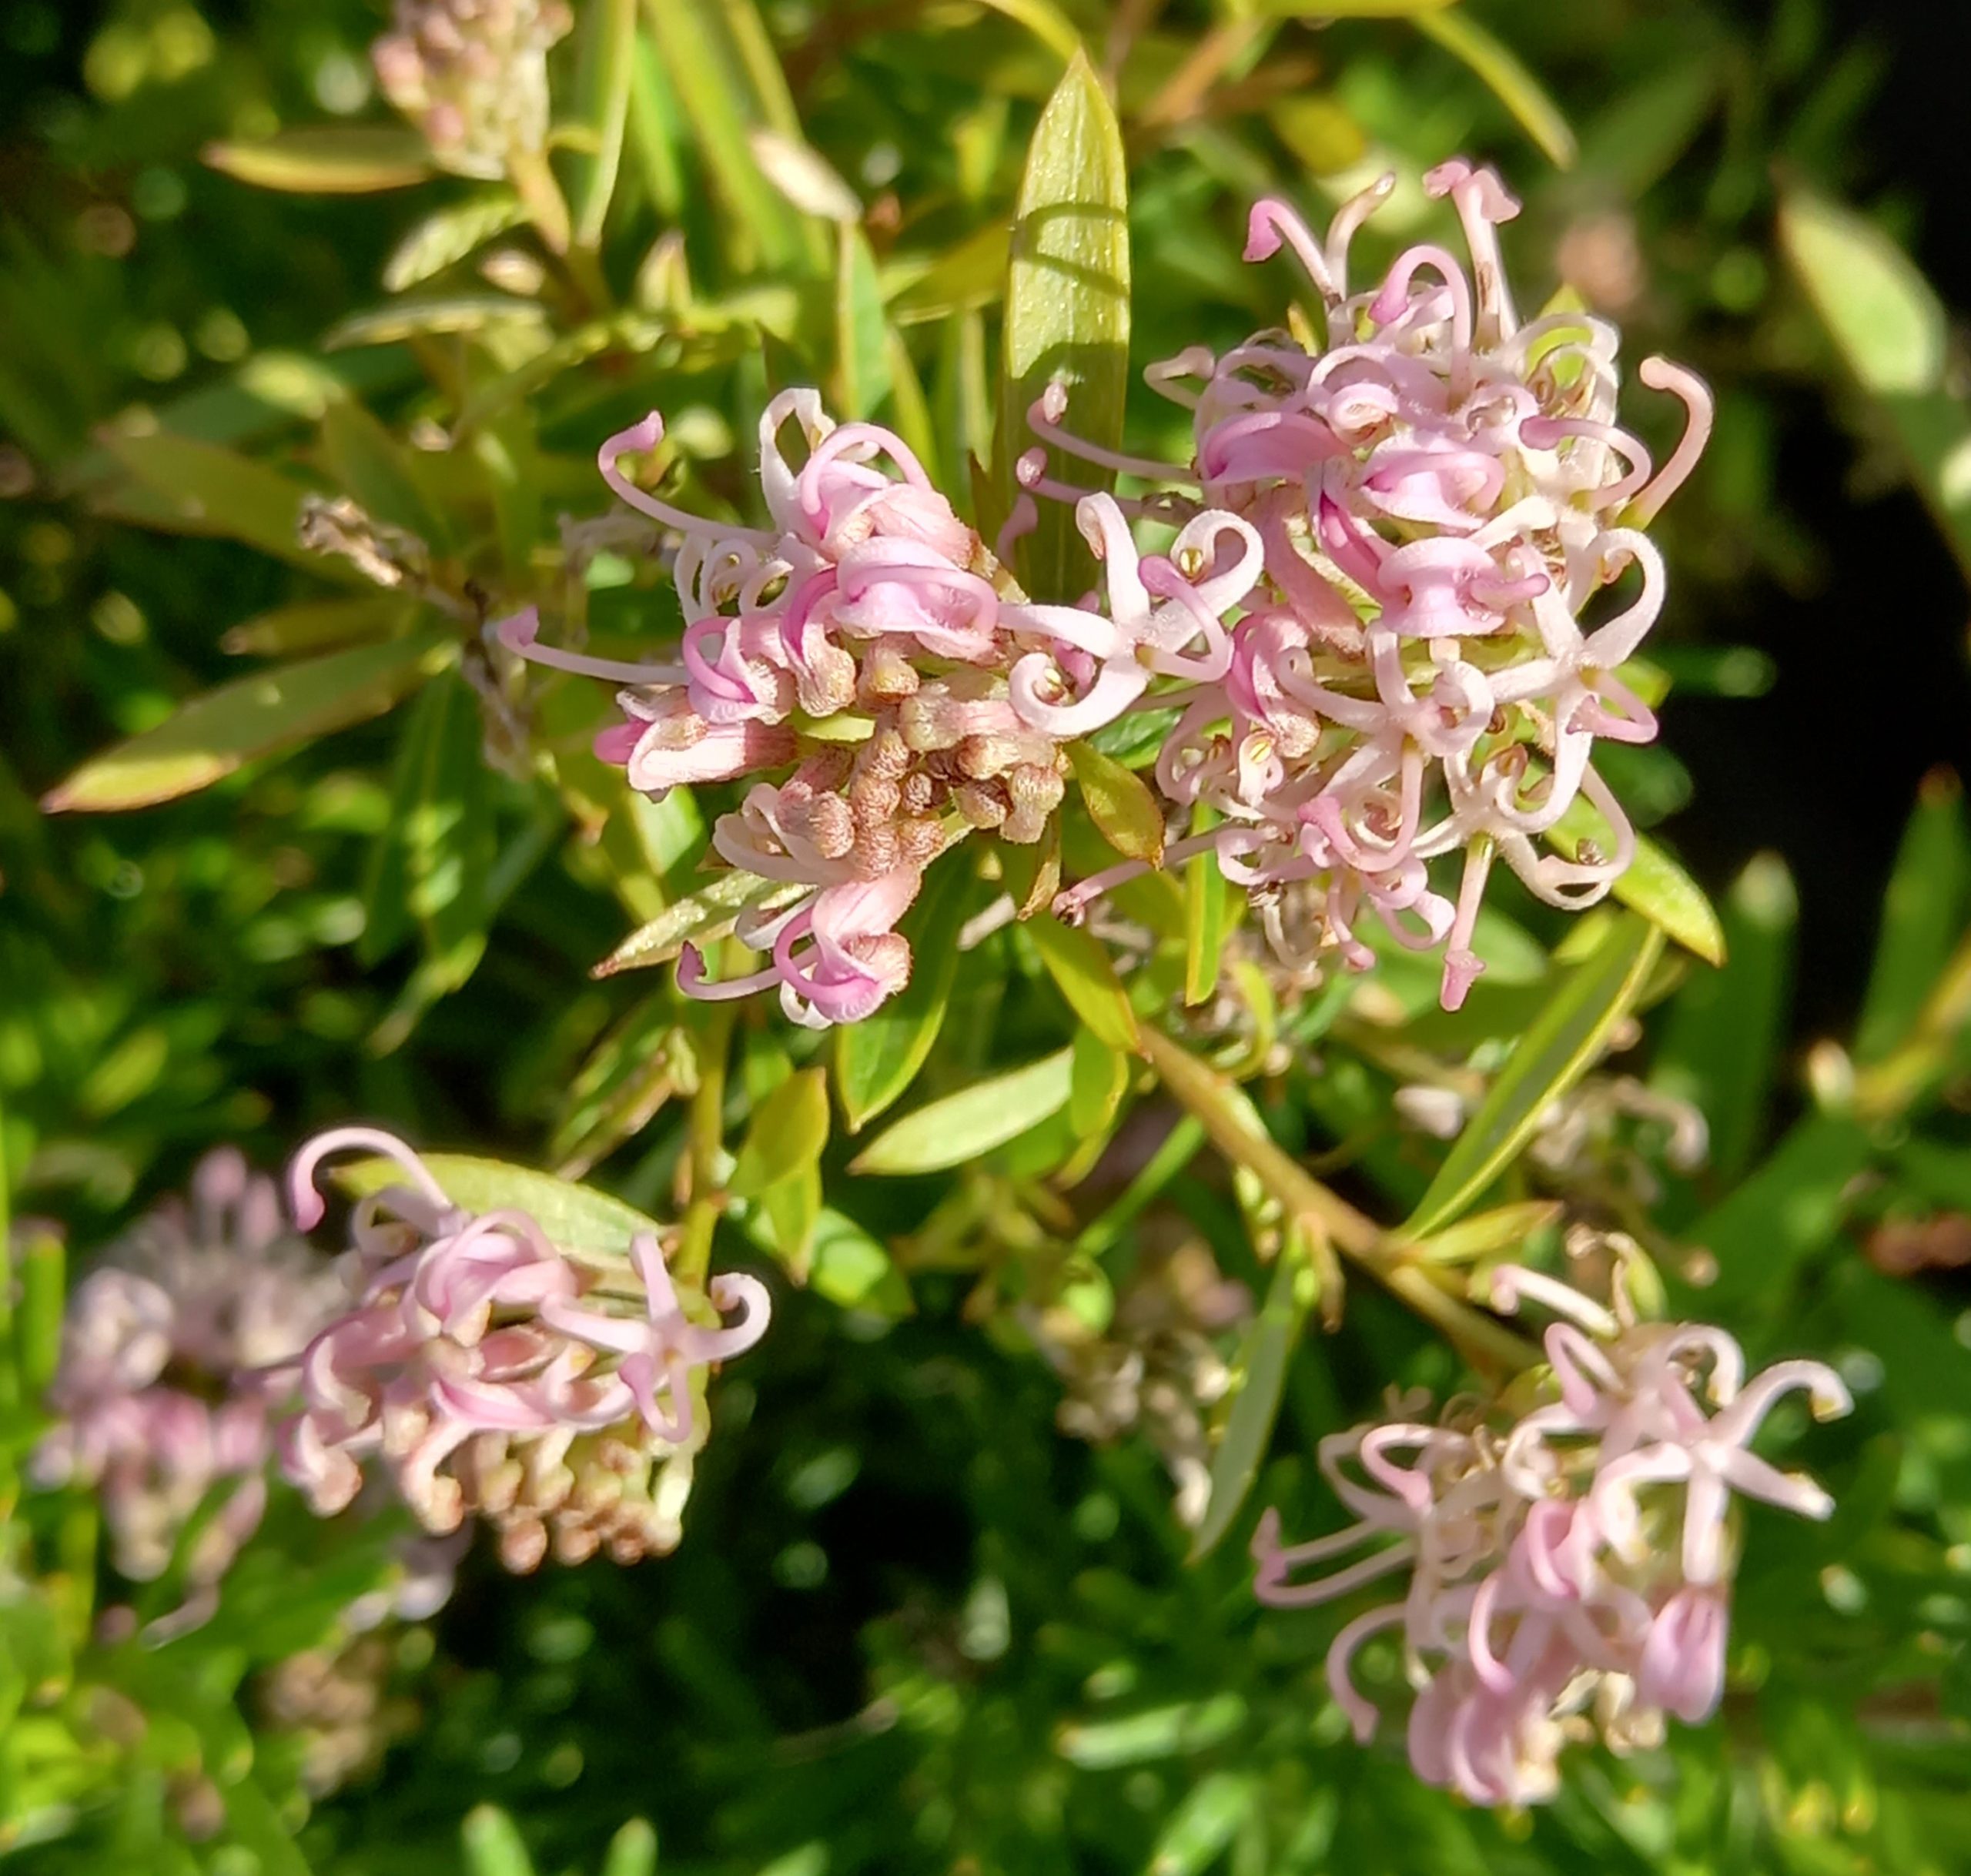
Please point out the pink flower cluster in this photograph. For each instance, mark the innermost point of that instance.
(1442, 496)
(868, 649)
(1569, 1572)
(163, 1395)
(557, 1397)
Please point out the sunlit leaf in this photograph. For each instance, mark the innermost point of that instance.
(203, 489)
(1119, 802)
(789, 1130)
(328, 159)
(212, 735)
(1204, 927)
(1100, 1079)
(1893, 334)
(1553, 1054)
(1084, 974)
(862, 364)
(1067, 317)
(452, 234)
(962, 1126)
(1653, 884)
(1206, 1820)
(589, 1224)
(454, 315)
(491, 1841)
(709, 913)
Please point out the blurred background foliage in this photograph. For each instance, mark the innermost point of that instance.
(913, 1627)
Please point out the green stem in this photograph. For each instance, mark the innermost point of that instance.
(1484, 1340)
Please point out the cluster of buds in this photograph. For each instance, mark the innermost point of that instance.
(1160, 1366)
(472, 75)
(869, 653)
(557, 1397)
(164, 1394)
(1441, 493)
(1570, 1570)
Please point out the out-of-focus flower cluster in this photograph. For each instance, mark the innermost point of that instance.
(1443, 496)
(472, 75)
(1570, 1569)
(1158, 1367)
(870, 651)
(491, 1373)
(168, 1380)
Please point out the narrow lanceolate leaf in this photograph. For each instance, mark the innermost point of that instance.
(1509, 81)
(214, 734)
(1209, 1816)
(451, 234)
(374, 468)
(1100, 1078)
(1119, 802)
(1720, 1045)
(1892, 334)
(708, 914)
(862, 364)
(330, 159)
(1083, 974)
(1258, 1372)
(1922, 915)
(964, 1125)
(591, 1225)
(789, 1129)
(1067, 318)
(632, 1850)
(1505, 1227)
(1653, 884)
(203, 489)
(1204, 927)
(876, 1059)
(608, 68)
(1552, 1055)
(492, 1843)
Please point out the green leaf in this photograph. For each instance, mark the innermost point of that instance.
(1791, 1207)
(1725, 1028)
(1504, 1228)
(1067, 316)
(492, 1844)
(587, 1224)
(1501, 70)
(788, 1131)
(317, 625)
(963, 1126)
(328, 159)
(608, 66)
(862, 370)
(1348, 9)
(1204, 927)
(1195, 1834)
(1892, 334)
(1653, 883)
(1120, 804)
(1100, 1079)
(964, 278)
(1083, 974)
(876, 1059)
(853, 1272)
(454, 315)
(429, 865)
(374, 468)
(1045, 22)
(203, 489)
(632, 1850)
(1187, 1727)
(454, 233)
(1552, 1055)
(708, 914)
(1258, 1372)
(214, 734)
(1922, 916)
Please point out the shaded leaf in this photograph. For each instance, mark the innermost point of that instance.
(1922, 916)
(1204, 927)
(962, 1126)
(214, 734)
(1500, 69)
(1259, 1372)
(203, 489)
(789, 1130)
(1552, 1055)
(876, 1059)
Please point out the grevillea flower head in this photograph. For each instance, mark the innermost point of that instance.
(1568, 1569)
(1441, 494)
(873, 673)
(472, 75)
(163, 1395)
(489, 1373)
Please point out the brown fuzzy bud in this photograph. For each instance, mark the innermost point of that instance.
(1035, 793)
(888, 676)
(983, 803)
